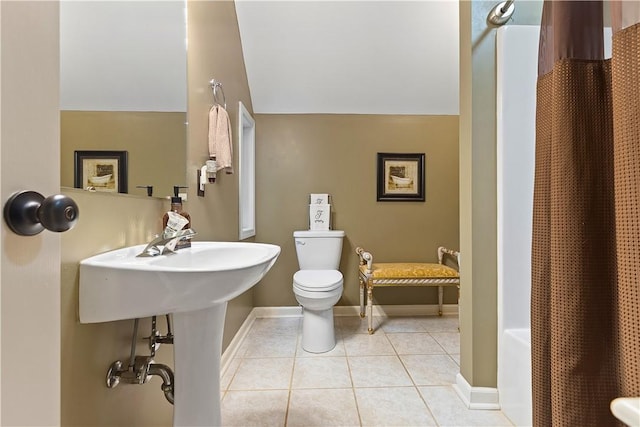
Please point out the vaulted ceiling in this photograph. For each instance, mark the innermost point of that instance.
(351, 57)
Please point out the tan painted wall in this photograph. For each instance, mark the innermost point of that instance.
(336, 154)
(106, 222)
(30, 281)
(216, 217)
(109, 222)
(215, 52)
(156, 143)
(478, 198)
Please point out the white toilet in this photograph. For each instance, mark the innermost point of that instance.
(318, 285)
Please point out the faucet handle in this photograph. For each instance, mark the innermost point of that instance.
(186, 232)
(167, 241)
(170, 246)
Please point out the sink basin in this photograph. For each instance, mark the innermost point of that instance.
(627, 410)
(194, 285)
(118, 285)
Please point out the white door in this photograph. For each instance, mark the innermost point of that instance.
(30, 266)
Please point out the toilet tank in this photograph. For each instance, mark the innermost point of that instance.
(318, 250)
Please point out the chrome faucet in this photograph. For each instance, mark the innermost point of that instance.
(167, 241)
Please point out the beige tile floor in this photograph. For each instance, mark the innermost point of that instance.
(400, 376)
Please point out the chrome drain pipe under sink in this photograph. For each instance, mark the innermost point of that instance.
(142, 368)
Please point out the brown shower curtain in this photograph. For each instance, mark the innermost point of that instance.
(585, 302)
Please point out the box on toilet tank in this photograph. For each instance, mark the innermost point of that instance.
(319, 216)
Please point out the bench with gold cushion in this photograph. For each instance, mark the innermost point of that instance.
(372, 274)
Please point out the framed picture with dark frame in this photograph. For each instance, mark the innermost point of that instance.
(101, 171)
(401, 177)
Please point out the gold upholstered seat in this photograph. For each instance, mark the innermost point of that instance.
(396, 270)
(372, 274)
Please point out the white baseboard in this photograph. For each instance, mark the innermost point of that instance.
(287, 311)
(231, 350)
(476, 397)
(354, 310)
(398, 310)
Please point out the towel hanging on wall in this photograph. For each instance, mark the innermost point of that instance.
(220, 141)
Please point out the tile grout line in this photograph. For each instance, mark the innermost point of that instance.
(340, 334)
(295, 356)
(353, 388)
(415, 386)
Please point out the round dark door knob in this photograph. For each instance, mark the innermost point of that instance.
(27, 213)
(58, 213)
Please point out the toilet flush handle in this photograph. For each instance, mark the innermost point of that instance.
(300, 242)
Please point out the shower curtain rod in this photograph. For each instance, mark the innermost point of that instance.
(501, 13)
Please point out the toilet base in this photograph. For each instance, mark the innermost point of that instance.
(318, 334)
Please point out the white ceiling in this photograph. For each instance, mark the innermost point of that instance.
(351, 57)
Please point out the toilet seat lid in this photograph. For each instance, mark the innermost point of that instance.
(317, 280)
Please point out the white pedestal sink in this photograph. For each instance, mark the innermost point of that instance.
(627, 410)
(194, 284)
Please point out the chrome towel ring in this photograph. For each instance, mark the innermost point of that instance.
(216, 87)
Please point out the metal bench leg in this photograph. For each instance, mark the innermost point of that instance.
(361, 297)
(370, 306)
(440, 297)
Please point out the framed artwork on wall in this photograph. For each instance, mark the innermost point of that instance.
(100, 171)
(400, 177)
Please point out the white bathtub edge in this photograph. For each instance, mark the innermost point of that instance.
(476, 397)
(514, 375)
